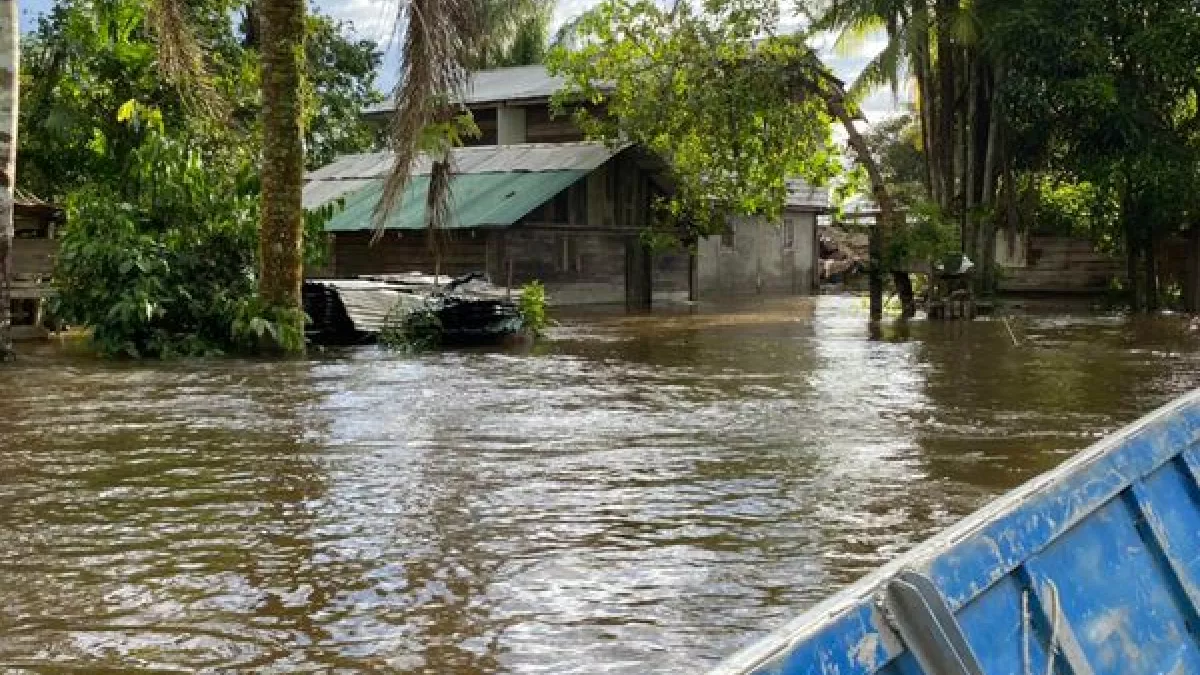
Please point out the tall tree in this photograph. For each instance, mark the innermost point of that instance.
(282, 231)
(733, 114)
(9, 96)
(938, 47)
(282, 27)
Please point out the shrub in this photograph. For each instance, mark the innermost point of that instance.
(164, 263)
(532, 305)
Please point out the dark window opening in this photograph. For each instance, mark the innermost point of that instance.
(729, 236)
(579, 206)
(789, 233)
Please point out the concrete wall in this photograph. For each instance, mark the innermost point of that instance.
(760, 257)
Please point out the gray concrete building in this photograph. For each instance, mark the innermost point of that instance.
(755, 256)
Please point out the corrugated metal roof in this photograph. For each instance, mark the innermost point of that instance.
(354, 173)
(803, 196)
(478, 200)
(479, 159)
(520, 83)
(322, 192)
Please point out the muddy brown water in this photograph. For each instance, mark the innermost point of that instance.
(636, 494)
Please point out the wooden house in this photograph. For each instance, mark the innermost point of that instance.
(534, 200)
(567, 214)
(34, 249)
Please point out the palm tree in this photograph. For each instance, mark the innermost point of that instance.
(9, 90)
(281, 231)
(281, 224)
(442, 39)
(957, 78)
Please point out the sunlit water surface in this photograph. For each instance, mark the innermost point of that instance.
(638, 494)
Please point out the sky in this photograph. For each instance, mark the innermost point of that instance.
(375, 19)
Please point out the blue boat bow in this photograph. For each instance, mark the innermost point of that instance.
(1093, 567)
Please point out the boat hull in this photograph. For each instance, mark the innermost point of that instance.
(1094, 566)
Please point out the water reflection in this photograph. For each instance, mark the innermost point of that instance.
(637, 494)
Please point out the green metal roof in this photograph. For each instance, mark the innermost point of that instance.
(477, 200)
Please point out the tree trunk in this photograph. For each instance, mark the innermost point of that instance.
(944, 17)
(927, 100)
(988, 196)
(887, 209)
(1191, 289)
(9, 83)
(281, 233)
(970, 221)
(925, 108)
(1151, 271)
(1132, 250)
(904, 289)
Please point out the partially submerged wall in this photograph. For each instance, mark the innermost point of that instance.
(756, 256)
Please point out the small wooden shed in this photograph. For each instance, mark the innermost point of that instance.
(36, 224)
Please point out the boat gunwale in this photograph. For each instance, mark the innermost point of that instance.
(862, 596)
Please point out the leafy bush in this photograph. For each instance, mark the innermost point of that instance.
(926, 234)
(532, 305)
(163, 264)
(412, 329)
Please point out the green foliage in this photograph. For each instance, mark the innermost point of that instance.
(696, 85)
(259, 329)
(896, 145)
(926, 235)
(532, 305)
(439, 138)
(87, 59)
(1101, 97)
(517, 33)
(160, 268)
(411, 329)
(341, 77)
(159, 253)
(163, 263)
(1069, 208)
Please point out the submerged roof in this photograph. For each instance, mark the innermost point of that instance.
(493, 186)
(501, 85)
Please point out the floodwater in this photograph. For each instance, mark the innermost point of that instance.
(638, 494)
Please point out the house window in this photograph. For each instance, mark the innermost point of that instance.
(788, 230)
(729, 236)
(560, 209)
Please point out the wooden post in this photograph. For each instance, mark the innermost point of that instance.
(508, 284)
(693, 274)
(1191, 289)
(639, 290)
(875, 244)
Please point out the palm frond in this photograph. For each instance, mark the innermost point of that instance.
(180, 56)
(437, 205)
(885, 69)
(854, 36)
(438, 39)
